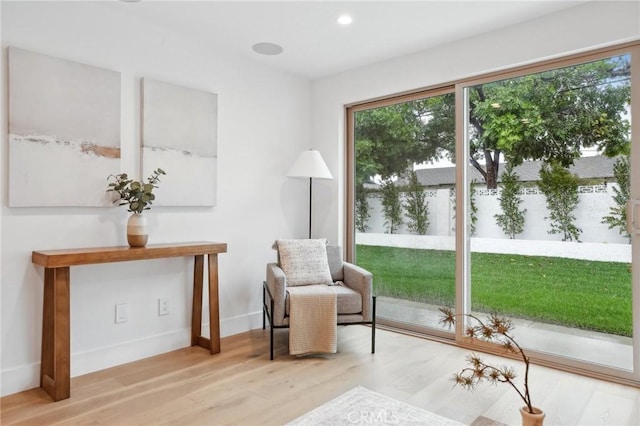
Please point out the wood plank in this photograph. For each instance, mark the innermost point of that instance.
(62, 332)
(95, 255)
(205, 342)
(241, 386)
(46, 356)
(55, 358)
(196, 310)
(214, 308)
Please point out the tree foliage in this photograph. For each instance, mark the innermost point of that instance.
(511, 220)
(618, 213)
(389, 139)
(473, 208)
(391, 206)
(560, 187)
(549, 116)
(416, 206)
(362, 209)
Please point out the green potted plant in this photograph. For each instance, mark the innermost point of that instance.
(498, 330)
(137, 196)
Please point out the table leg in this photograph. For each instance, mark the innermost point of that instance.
(214, 308)
(55, 366)
(196, 311)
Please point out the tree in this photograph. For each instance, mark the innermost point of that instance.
(362, 209)
(549, 116)
(560, 187)
(618, 214)
(512, 218)
(416, 207)
(391, 206)
(385, 146)
(387, 142)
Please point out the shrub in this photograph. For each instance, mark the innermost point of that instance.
(362, 214)
(391, 206)
(512, 218)
(560, 187)
(618, 214)
(417, 209)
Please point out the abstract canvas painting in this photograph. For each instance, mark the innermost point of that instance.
(179, 135)
(64, 131)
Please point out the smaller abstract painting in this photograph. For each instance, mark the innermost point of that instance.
(179, 135)
(64, 131)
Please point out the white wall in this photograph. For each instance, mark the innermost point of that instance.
(594, 24)
(264, 122)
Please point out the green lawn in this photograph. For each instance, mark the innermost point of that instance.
(576, 293)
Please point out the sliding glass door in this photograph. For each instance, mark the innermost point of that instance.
(404, 180)
(510, 193)
(547, 184)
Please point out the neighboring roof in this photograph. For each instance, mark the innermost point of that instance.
(598, 166)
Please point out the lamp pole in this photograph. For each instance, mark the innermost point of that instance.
(310, 198)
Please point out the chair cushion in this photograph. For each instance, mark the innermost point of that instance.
(334, 254)
(304, 262)
(349, 301)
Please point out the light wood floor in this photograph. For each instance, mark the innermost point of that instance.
(241, 386)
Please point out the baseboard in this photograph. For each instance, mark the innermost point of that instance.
(132, 350)
(19, 378)
(240, 324)
(27, 376)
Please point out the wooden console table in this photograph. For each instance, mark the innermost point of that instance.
(55, 375)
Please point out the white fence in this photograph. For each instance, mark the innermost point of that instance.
(595, 202)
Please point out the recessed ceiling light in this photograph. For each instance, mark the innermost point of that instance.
(345, 20)
(267, 49)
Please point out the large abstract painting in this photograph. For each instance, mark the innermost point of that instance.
(64, 131)
(179, 135)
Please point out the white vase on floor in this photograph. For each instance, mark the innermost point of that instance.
(137, 234)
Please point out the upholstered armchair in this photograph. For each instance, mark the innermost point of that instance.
(352, 285)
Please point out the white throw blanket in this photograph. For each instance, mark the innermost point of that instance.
(313, 315)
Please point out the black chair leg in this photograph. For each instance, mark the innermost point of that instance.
(271, 325)
(373, 327)
(271, 350)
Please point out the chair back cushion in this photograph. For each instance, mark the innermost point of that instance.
(304, 262)
(334, 254)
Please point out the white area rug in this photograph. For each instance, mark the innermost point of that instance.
(362, 406)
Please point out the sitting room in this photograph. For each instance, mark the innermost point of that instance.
(341, 247)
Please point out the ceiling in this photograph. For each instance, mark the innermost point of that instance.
(315, 45)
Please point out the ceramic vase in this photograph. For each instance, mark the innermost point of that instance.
(532, 419)
(137, 234)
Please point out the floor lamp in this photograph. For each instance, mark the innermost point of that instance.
(310, 165)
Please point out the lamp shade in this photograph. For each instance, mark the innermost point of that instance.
(310, 165)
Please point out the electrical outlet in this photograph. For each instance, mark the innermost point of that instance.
(163, 307)
(122, 313)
